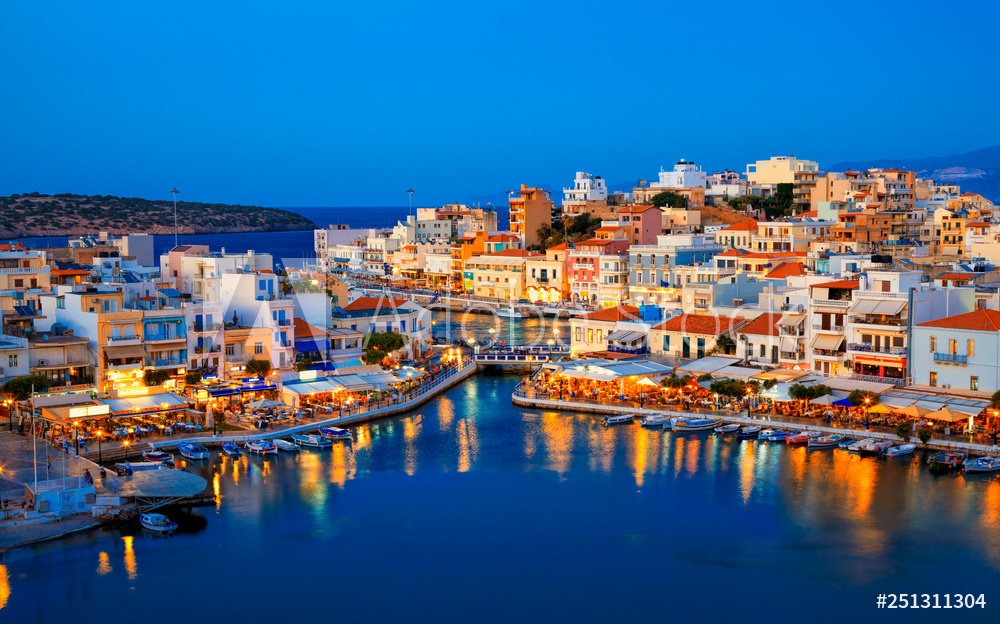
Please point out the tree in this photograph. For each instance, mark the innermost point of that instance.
(725, 343)
(257, 368)
(378, 345)
(924, 434)
(996, 399)
(303, 364)
(192, 378)
(857, 397)
(20, 387)
(902, 431)
(731, 387)
(155, 378)
(668, 199)
(803, 392)
(705, 377)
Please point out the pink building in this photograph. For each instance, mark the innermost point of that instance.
(598, 270)
(645, 223)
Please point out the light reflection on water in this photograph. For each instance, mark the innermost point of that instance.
(553, 499)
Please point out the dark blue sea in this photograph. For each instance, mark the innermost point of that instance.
(473, 510)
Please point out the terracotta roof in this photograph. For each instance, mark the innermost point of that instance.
(810, 213)
(977, 320)
(704, 324)
(513, 253)
(837, 284)
(860, 195)
(600, 242)
(306, 330)
(503, 238)
(610, 228)
(786, 269)
(745, 225)
(615, 314)
(559, 247)
(636, 209)
(977, 224)
(373, 303)
(957, 276)
(763, 325)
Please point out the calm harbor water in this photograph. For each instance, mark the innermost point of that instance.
(473, 509)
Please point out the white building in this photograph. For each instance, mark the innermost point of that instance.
(586, 187)
(958, 352)
(685, 175)
(336, 234)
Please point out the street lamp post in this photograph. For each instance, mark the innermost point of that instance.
(409, 192)
(100, 436)
(174, 193)
(551, 342)
(868, 425)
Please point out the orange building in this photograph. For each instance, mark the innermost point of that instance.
(530, 209)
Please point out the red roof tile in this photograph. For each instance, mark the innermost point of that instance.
(837, 284)
(745, 225)
(636, 209)
(373, 303)
(503, 238)
(786, 269)
(615, 314)
(763, 325)
(957, 276)
(703, 324)
(977, 320)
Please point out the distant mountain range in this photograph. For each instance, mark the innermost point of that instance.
(975, 172)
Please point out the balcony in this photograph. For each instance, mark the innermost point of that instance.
(793, 356)
(792, 307)
(165, 362)
(867, 348)
(158, 338)
(951, 358)
(836, 329)
(702, 305)
(788, 330)
(200, 328)
(832, 303)
(629, 350)
(585, 266)
(829, 354)
(881, 322)
(122, 365)
(121, 341)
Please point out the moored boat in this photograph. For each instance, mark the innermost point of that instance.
(946, 461)
(900, 450)
(696, 424)
(654, 420)
(802, 437)
(876, 447)
(748, 431)
(139, 466)
(826, 441)
(158, 457)
(511, 312)
(230, 448)
(261, 447)
(285, 445)
(618, 419)
(193, 451)
(727, 428)
(846, 442)
(335, 433)
(982, 464)
(311, 440)
(157, 522)
(854, 448)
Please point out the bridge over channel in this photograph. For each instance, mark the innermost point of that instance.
(519, 355)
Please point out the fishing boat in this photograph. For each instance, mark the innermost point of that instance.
(670, 422)
(854, 448)
(285, 445)
(876, 447)
(193, 451)
(696, 424)
(846, 442)
(654, 420)
(511, 312)
(946, 461)
(771, 434)
(157, 522)
(231, 448)
(139, 466)
(724, 429)
(982, 464)
(748, 431)
(826, 441)
(311, 440)
(335, 433)
(802, 437)
(157, 457)
(900, 450)
(261, 447)
(618, 419)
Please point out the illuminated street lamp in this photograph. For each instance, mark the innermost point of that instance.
(551, 342)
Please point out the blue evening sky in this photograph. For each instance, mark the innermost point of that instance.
(348, 104)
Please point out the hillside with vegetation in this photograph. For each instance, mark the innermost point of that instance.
(66, 214)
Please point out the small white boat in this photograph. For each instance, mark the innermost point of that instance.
(231, 448)
(511, 312)
(696, 424)
(854, 448)
(982, 464)
(727, 428)
(803, 437)
(618, 419)
(748, 431)
(158, 457)
(826, 441)
(261, 447)
(900, 450)
(670, 422)
(157, 522)
(654, 420)
(312, 440)
(874, 448)
(285, 445)
(193, 451)
(335, 433)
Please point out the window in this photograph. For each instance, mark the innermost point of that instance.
(763, 350)
(12, 361)
(579, 334)
(258, 348)
(600, 335)
(933, 380)
(666, 342)
(61, 303)
(952, 346)
(970, 348)
(974, 382)
(18, 283)
(933, 344)
(230, 349)
(590, 335)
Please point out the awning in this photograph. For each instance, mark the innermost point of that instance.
(707, 365)
(120, 353)
(736, 372)
(170, 292)
(847, 385)
(791, 320)
(781, 374)
(305, 346)
(151, 403)
(618, 335)
(222, 392)
(890, 307)
(864, 306)
(789, 344)
(827, 341)
(626, 336)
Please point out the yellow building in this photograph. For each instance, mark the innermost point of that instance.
(500, 275)
(952, 236)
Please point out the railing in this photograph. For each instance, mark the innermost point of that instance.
(165, 362)
(832, 303)
(954, 358)
(872, 294)
(792, 307)
(831, 328)
(867, 348)
(283, 322)
(525, 358)
(792, 355)
(123, 339)
(701, 304)
(159, 337)
(204, 327)
(887, 322)
(788, 330)
(629, 350)
(829, 353)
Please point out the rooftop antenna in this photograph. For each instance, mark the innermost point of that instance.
(409, 192)
(174, 192)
